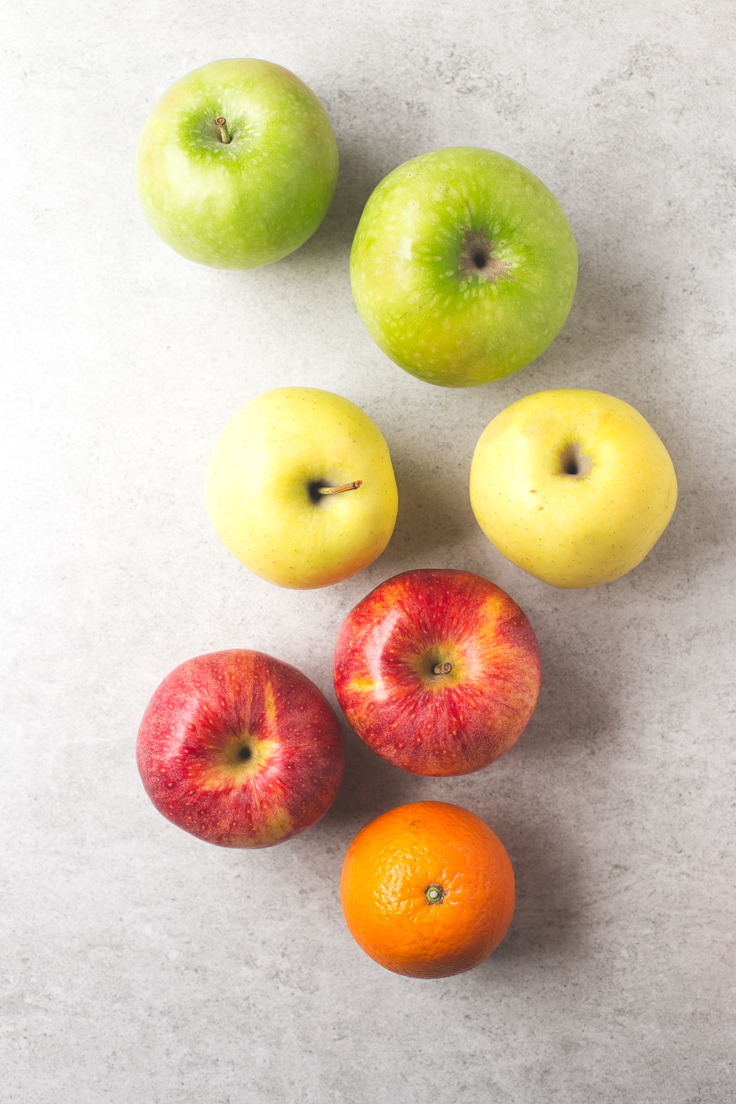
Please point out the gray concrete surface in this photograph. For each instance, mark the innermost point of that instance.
(139, 964)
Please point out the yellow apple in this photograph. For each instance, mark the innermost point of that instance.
(573, 486)
(301, 489)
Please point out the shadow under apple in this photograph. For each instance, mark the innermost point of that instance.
(574, 710)
(614, 311)
(370, 787)
(574, 720)
(700, 534)
(434, 514)
(358, 176)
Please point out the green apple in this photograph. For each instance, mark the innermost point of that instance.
(463, 266)
(301, 489)
(573, 486)
(237, 164)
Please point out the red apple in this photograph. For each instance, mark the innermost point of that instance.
(240, 749)
(438, 671)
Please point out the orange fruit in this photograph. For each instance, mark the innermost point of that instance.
(427, 890)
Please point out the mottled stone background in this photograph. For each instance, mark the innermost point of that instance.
(140, 965)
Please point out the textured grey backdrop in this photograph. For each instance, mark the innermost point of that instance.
(139, 964)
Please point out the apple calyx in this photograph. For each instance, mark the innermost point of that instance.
(337, 490)
(442, 668)
(434, 894)
(241, 755)
(478, 257)
(574, 462)
(225, 135)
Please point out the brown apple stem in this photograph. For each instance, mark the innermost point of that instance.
(225, 135)
(345, 487)
(442, 668)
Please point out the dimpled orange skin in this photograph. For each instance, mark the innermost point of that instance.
(396, 859)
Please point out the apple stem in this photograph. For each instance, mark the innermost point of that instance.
(442, 668)
(225, 135)
(345, 487)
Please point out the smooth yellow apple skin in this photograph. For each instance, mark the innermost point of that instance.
(261, 480)
(576, 529)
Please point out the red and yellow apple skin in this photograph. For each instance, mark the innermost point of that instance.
(392, 679)
(240, 749)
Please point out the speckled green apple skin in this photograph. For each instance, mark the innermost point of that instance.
(251, 201)
(434, 317)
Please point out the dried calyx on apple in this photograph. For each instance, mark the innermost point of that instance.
(573, 461)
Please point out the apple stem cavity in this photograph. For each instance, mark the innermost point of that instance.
(225, 135)
(337, 490)
(442, 668)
